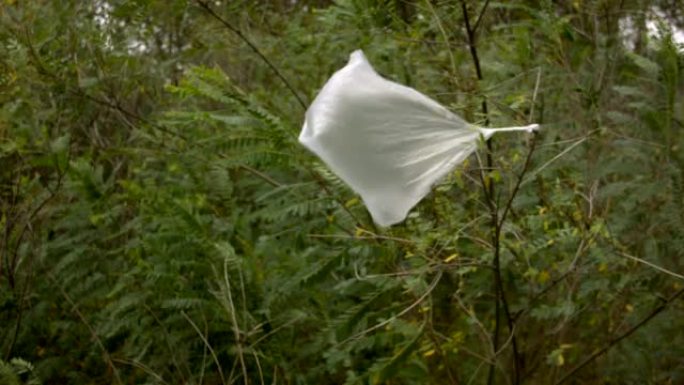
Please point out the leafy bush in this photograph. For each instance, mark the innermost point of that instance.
(161, 224)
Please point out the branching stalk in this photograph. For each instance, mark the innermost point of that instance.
(657, 310)
(254, 48)
(74, 308)
(207, 345)
(497, 223)
(204, 5)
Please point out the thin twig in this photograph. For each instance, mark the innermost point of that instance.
(500, 297)
(204, 5)
(141, 366)
(85, 322)
(79, 92)
(125, 113)
(445, 37)
(401, 313)
(274, 331)
(528, 158)
(479, 18)
(167, 339)
(254, 48)
(11, 265)
(258, 364)
(653, 265)
(534, 95)
(519, 180)
(562, 153)
(236, 329)
(206, 344)
(372, 236)
(261, 175)
(485, 336)
(657, 310)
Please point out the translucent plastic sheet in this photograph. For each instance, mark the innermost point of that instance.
(388, 142)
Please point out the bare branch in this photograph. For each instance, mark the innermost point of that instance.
(657, 310)
(254, 48)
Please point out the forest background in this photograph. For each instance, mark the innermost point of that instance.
(160, 223)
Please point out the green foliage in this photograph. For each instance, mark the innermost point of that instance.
(17, 372)
(161, 223)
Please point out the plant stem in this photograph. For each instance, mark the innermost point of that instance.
(91, 329)
(500, 297)
(657, 310)
(204, 5)
(254, 48)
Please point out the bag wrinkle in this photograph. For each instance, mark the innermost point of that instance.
(388, 142)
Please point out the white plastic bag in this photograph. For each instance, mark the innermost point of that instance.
(388, 142)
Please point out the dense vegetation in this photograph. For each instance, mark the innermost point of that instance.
(162, 225)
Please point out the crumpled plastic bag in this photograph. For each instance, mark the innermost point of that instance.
(388, 142)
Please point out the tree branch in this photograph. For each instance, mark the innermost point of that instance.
(210, 11)
(657, 310)
(497, 224)
(479, 18)
(74, 308)
(204, 5)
